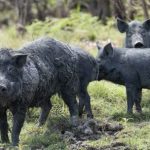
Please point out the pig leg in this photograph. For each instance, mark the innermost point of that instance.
(4, 126)
(81, 106)
(130, 90)
(84, 99)
(18, 120)
(138, 101)
(70, 100)
(134, 95)
(45, 109)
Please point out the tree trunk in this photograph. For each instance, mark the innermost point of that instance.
(42, 7)
(119, 9)
(144, 5)
(131, 10)
(24, 15)
(24, 11)
(100, 8)
(61, 10)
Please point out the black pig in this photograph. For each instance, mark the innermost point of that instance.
(31, 75)
(126, 66)
(87, 72)
(137, 33)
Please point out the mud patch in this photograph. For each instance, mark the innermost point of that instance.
(92, 130)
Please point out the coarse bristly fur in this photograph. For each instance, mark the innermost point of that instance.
(137, 33)
(31, 75)
(129, 67)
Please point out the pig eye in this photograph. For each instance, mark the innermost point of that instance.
(11, 69)
(143, 32)
(129, 34)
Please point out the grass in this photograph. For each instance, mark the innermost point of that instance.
(108, 100)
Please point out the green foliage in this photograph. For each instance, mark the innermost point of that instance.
(78, 27)
(78, 24)
(52, 2)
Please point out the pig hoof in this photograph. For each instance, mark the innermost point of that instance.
(15, 144)
(74, 121)
(139, 111)
(80, 115)
(90, 116)
(39, 124)
(129, 112)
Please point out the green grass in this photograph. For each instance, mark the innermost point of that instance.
(108, 100)
(79, 28)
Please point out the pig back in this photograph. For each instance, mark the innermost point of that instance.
(56, 63)
(87, 65)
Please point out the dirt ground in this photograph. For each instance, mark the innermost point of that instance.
(92, 130)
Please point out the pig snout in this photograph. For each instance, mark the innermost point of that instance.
(138, 44)
(4, 94)
(137, 41)
(3, 89)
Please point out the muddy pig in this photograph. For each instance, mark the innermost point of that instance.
(29, 76)
(137, 33)
(128, 67)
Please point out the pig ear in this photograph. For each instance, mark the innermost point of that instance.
(108, 50)
(98, 46)
(146, 24)
(122, 25)
(19, 60)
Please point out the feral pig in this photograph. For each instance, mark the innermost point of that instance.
(126, 66)
(31, 75)
(137, 33)
(87, 72)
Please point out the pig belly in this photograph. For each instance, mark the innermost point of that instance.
(145, 83)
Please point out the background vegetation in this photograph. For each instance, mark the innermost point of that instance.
(78, 22)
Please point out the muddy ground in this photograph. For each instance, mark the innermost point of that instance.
(92, 130)
(88, 130)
